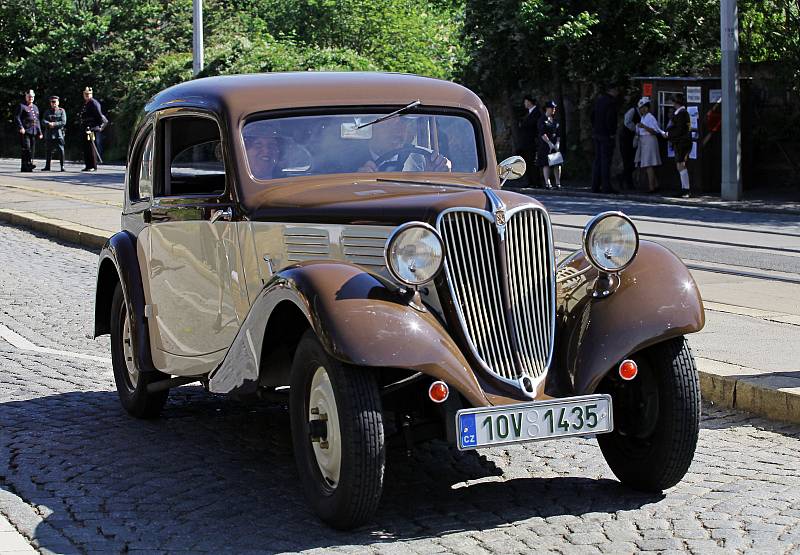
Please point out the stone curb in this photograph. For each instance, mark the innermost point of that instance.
(730, 391)
(85, 236)
(697, 202)
(776, 401)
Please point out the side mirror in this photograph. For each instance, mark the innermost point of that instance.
(511, 168)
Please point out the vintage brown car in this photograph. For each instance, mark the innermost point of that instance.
(342, 240)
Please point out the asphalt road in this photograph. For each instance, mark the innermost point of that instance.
(746, 264)
(214, 476)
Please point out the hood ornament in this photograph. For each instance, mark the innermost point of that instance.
(499, 211)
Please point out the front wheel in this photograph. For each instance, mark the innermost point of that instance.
(656, 418)
(337, 433)
(131, 382)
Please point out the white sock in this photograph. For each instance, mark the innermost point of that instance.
(684, 179)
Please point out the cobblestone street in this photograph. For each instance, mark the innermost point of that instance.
(213, 475)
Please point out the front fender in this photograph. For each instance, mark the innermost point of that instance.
(358, 320)
(119, 263)
(657, 299)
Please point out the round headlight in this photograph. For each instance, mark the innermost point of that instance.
(610, 240)
(414, 253)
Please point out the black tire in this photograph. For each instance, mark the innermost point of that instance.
(656, 418)
(133, 396)
(354, 498)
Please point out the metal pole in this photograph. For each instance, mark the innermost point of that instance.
(731, 133)
(197, 43)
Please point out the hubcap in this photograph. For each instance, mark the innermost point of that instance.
(323, 421)
(127, 351)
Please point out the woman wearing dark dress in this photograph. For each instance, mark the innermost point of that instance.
(549, 137)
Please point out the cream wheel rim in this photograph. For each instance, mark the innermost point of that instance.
(127, 351)
(322, 406)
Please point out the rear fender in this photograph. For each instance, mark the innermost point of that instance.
(119, 263)
(657, 299)
(358, 320)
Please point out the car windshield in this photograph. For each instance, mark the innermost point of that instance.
(330, 144)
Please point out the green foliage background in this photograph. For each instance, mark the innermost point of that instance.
(501, 48)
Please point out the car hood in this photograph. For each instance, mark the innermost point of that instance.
(375, 201)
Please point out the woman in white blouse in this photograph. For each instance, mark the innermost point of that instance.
(648, 155)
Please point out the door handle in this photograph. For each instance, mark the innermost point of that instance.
(225, 214)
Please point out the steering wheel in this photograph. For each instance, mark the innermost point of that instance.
(384, 162)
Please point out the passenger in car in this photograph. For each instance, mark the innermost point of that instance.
(263, 146)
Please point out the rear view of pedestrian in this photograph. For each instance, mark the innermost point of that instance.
(679, 133)
(27, 120)
(54, 121)
(604, 131)
(549, 156)
(648, 156)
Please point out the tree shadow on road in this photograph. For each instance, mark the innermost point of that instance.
(216, 475)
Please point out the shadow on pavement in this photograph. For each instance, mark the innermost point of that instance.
(217, 475)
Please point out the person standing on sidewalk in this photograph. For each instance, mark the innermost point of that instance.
(27, 120)
(93, 122)
(648, 155)
(604, 131)
(679, 133)
(549, 144)
(528, 132)
(54, 121)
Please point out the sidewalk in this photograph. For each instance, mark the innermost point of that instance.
(11, 541)
(85, 209)
(772, 202)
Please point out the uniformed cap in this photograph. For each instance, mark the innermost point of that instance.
(549, 104)
(54, 97)
(644, 101)
(88, 90)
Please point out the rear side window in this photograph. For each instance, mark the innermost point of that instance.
(193, 149)
(141, 175)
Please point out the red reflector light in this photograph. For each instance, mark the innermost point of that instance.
(628, 370)
(438, 392)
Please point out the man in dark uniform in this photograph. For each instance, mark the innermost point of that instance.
(54, 121)
(528, 129)
(604, 131)
(27, 120)
(93, 122)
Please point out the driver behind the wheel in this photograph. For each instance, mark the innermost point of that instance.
(392, 140)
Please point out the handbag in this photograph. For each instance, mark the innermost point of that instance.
(555, 159)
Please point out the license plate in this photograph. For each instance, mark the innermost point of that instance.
(554, 418)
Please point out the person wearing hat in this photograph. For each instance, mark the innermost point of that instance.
(27, 120)
(648, 155)
(679, 133)
(54, 121)
(549, 136)
(93, 122)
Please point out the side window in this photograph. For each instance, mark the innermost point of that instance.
(141, 169)
(146, 170)
(193, 150)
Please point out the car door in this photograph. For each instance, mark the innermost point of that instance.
(195, 280)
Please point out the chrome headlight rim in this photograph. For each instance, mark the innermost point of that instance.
(587, 235)
(399, 230)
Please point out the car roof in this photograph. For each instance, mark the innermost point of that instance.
(236, 96)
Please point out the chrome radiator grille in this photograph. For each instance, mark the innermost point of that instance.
(503, 286)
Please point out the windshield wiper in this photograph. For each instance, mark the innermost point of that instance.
(393, 114)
